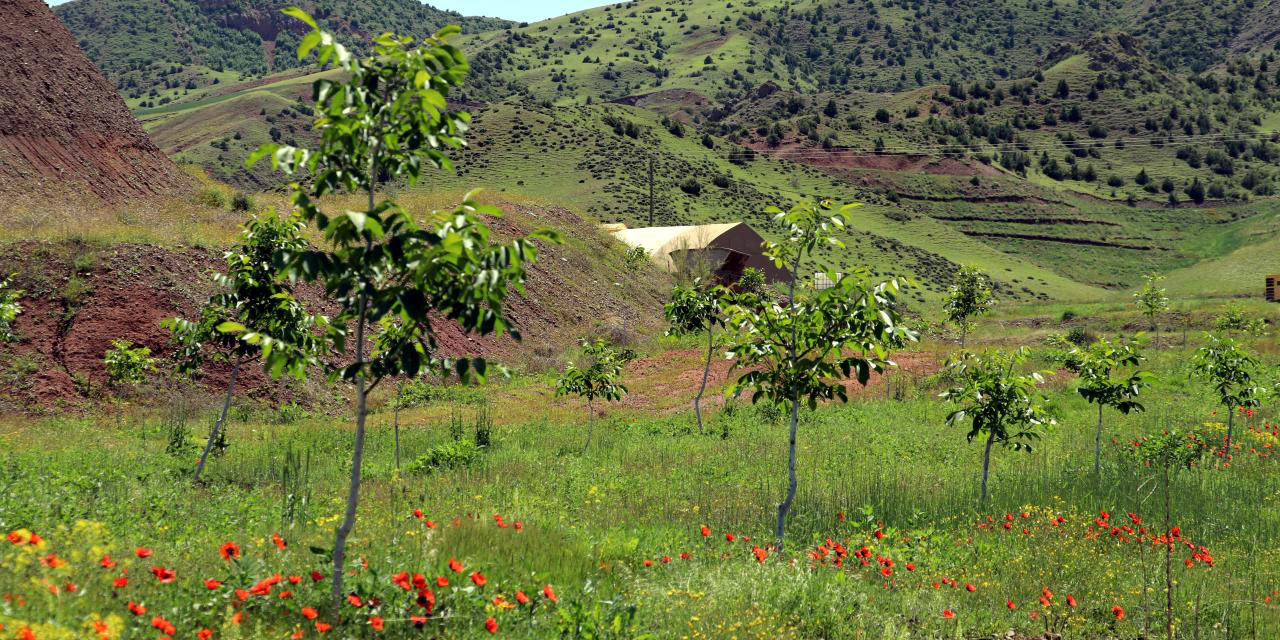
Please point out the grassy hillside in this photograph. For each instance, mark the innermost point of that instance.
(160, 51)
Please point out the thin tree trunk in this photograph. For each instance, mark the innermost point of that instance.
(1097, 444)
(222, 418)
(706, 371)
(591, 414)
(357, 457)
(964, 333)
(399, 391)
(1168, 557)
(1231, 417)
(791, 473)
(986, 463)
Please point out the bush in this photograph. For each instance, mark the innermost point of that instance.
(1080, 337)
(1068, 315)
(127, 364)
(448, 455)
(691, 187)
(212, 197)
(242, 202)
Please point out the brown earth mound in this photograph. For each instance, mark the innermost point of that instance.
(80, 296)
(63, 128)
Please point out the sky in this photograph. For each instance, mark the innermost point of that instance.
(519, 10)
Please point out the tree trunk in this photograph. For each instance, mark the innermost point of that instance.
(1231, 418)
(222, 418)
(357, 457)
(964, 333)
(399, 391)
(986, 463)
(706, 371)
(1168, 556)
(591, 415)
(791, 473)
(1097, 444)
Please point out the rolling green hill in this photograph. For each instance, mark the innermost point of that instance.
(1016, 135)
(159, 51)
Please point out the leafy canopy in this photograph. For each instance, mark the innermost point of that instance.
(253, 296)
(1095, 365)
(382, 263)
(801, 350)
(1230, 370)
(127, 364)
(9, 309)
(694, 309)
(999, 403)
(1151, 298)
(600, 378)
(969, 297)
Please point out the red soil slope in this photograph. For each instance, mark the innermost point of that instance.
(63, 128)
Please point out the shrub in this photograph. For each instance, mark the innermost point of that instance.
(242, 202)
(127, 364)
(212, 197)
(1068, 315)
(447, 455)
(691, 187)
(1080, 337)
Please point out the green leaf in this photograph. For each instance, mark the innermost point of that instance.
(230, 327)
(300, 15)
(308, 43)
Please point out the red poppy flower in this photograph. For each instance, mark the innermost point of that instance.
(417, 513)
(316, 576)
(120, 582)
(550, 593)
(376, 623)
(491, 625)
(886, 571)
(728, 537)
(401, 580)
(355, 601)
(204, 634)
(165, 576)
(107, 562)
(760, 554)
(911, 567)
(648, 563)
(323, 627)
(879, 535)
(1071, 601)
(418, 621)
(946, 613)
(212, 584)
(163, 625)
(295, 579)
(522, 598)
(970, 588)
(237, 617)
(684, 556)
(136, 609)
(1117, 612)
(478, 578)
(143, 552)
(229, 550)
(706, 532)
(419, 581)
(430, 524)
(1011, 605)
(285, 595)
(455, 566)
(279, 542)
(309, 613)
(52, 561)
(519, 525)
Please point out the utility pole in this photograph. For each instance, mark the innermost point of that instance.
(651, 190)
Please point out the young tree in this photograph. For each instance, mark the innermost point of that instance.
(1230, 370)
(694, 309)
(1094, 365)
(598, 380)
(254, 296)
(1151, 300)
(380, 119)
(1233, 319)
(127, 364)
(968, 298)
(999, 403)
(800, 351)
(9, 309)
